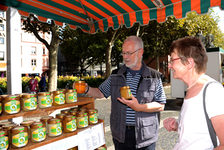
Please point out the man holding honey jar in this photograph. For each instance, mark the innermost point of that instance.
(134, 121)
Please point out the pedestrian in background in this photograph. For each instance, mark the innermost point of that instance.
(188, 62)
(134, 123)
(43, 83)
(33, 84)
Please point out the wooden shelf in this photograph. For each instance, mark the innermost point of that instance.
(48, 140)
(87, 102)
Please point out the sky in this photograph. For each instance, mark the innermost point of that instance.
(220, 13)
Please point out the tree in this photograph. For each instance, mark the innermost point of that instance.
(33, 25)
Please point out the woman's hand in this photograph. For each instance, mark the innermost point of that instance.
(170, 124)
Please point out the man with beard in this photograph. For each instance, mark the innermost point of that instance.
(134, 123)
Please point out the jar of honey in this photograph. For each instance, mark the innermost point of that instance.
(11, 105)
(54, 127)
(29, 102)
(38, 132)
(69, 123)
(27, 125)
(44, 120)
(93, 116)
(45, 99)
(73, 112)
(4, 140)
(58, 98)
(80, 87)
(19, 137)
(65, 111)
(70, 96)
(126, 92)
(82, 119)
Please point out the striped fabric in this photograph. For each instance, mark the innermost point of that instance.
(132, 79)
(93, 15)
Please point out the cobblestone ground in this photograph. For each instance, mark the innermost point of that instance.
(166, 139)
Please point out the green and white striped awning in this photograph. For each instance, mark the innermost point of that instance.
(92, 15)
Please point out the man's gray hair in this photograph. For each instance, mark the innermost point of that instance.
(137, 40)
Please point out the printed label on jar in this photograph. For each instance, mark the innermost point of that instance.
(71, 97)
(55, 129)
(4, 143)
(20, 140)
(71, 126)
(39, 134)
(93, 118)
(46, 101)
(12, 106)
(82, 122)
(59, 99)
(30, 103)
(75, 96)
(0, 108)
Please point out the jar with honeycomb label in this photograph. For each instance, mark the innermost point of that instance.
(70, 96)
(69, 123)
(54, 127)
(82, 119)
(19, 137)
(11, 104)
(93, 116)
(44, 120)
(4, 140)
(45, 99)
(58, 98)
(27, 125)
(38, 132)
(29, 102)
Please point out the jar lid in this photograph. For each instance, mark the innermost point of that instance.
(5, 122)
(19, 129)
(42, 94)
(60, 116)
(36, 125)
(8, 126)
(46, 118)
(125, 87)
(53, 121)
(27, 122)
(26, 95)
(69, 90)
(68, 117)
(11, 97)
(80, 81)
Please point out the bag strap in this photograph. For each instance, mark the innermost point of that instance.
(209, 123)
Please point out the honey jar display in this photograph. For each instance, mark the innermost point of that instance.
(38, 132)
(45, 99)
(54, 127)
(11, 104)
(19, 137)
(80, 87)
(27, 125)
(82, 119)
(93, 116)
(126, 92)
(70, 96)
(29, 102)
(4, 140)
(69, 123)
(58, 98)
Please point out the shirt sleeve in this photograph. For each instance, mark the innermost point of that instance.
(105, 87)
(160, 95)
(214, 99)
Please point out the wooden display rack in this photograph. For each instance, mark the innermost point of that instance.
(87, 102)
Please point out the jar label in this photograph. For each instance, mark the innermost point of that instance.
(71, 125)
(46, 101)
(4, 143)
(93, 118)
(71, 97)
(82, 121)
(75, 96)
(30, 103)
(55, 129)
(39, 134)
(59, 99)
(12, 106)
(0, 108)
(20, 140)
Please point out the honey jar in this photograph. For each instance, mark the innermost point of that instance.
(93, 116)
(126, 92)
(82, 119)
(69, 123)
(54, 127)
(29, 102)
(80, 87)
(19, 137)
(11, 105)
(45, 99)
(27, 125)
(58, 98)
(65, 111)
(44, 120)
(73, 112)
(38, 132)
(8, 128)
(4, 140)
(70, 96)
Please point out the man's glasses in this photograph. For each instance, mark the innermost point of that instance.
(129, 53)
(173, 59)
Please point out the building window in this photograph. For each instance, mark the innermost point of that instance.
(33, 50)
(2, 14)
(1, 55)
(33, 62)
(44, 52)
(2, 40)
(2, 28)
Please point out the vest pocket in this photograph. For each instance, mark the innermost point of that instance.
(149, 128)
